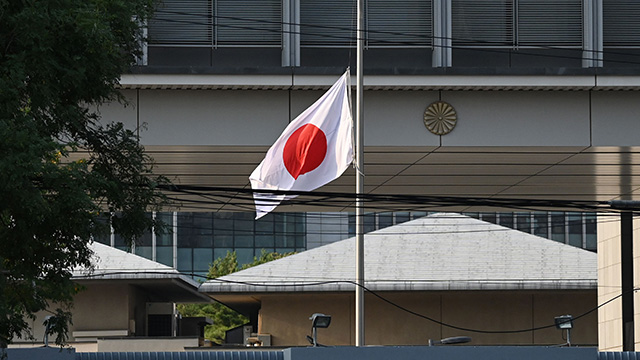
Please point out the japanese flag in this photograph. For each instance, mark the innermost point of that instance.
(313, 150)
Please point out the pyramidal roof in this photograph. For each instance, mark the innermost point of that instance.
(160, 282)
(109, 262)
(439, 252)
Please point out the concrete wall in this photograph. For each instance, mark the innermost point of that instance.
(102, 307)
(610, 283)
(440, 352)
(142, 344)
(286, 317)
(392, 118)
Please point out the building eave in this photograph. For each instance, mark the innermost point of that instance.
(543, 79)
(213, 289)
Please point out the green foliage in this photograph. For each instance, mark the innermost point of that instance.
(58, 60)
(223, 266)
(265, 257)
(223, 317)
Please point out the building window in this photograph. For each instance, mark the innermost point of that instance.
(549, 23)
(332, 23)
(470, 26)
(517, 23)
(217, 23)
(186, 22)
(404, 23)
(621, 23)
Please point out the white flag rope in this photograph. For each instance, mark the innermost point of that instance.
(313, 150)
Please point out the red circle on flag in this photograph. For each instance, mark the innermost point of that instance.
(305, 150)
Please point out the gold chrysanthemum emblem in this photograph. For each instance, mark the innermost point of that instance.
(440, 118)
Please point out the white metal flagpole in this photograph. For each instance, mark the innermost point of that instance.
(359, 181)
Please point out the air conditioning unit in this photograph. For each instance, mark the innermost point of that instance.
(255, 339)
(161, 319)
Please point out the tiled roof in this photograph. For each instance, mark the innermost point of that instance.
(437, 252)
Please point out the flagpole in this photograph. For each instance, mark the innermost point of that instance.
(359, 181)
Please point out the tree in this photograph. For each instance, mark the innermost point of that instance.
(59, 59)
(223, 317)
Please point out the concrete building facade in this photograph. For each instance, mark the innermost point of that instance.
(440, 276)
(545, 96)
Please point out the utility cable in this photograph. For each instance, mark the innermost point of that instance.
(372, 292)
(469, 44)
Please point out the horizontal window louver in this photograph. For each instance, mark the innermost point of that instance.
(621, 22)
(181, 22)
(249, 22)
(402, 23)
(482, 22)
(550, 23)
(328, 23)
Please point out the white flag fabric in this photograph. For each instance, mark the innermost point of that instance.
(313, 150)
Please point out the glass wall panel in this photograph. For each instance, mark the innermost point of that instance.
(144, 251)
(202, 258)
(557, 226)
(506, 219)
(223, 229)
(164, 255)
(245, 256)
(121, 244)
(369, 222)
(195, 229)
(243, 229)
(352, 224)
(286, 241)
(185, 260)
(165, 238)
(221, 252)
(541, 224)
(489, 217)
(575, 229)
(265, 242)
(416, 215)
(523, 222)
(590, 232)
(402, 217)
(474, 215)
(103, 233)
(385, 220)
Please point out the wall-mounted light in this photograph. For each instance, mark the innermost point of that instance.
(565, 322)
(450, 340)
(318, 321)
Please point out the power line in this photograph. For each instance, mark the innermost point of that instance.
(244, 197)
(372, 292)
(244, 228)
(468, 43)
